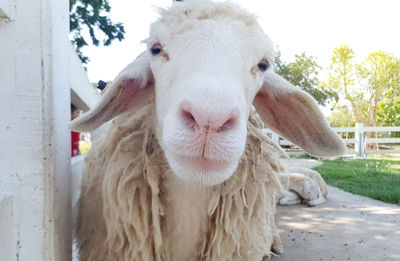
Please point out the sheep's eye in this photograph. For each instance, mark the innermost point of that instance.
(156, 49)
(263, 65)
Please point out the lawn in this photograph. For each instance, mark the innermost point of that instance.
(377, 178)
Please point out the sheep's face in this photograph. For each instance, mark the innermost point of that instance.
(206, 77)
(206, 64)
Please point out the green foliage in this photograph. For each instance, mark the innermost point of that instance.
(389, 111)
(379, 75)
(303, 72)
(341, 117)
(371, 88)
(342, 65)
(92, 15)
(380, 71)
(374, 178)
(341, 74)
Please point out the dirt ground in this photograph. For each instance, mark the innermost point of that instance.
(347, 227)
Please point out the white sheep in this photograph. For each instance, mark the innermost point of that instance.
(302, 184)
(184, 173)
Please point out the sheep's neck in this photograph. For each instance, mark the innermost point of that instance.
(186, 220)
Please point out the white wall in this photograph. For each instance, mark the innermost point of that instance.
(35, 220)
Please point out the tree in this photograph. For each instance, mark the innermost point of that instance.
(372, 88)
(93, 16)
(342, 77)
(341, 117)
(389, 111)
(303, 72)
(379, 74)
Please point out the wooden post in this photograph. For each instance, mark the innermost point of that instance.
(35, 219)
(359, 144)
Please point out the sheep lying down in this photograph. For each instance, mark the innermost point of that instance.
(302, 185)
(185, 172)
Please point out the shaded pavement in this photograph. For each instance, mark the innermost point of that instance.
(347, 227)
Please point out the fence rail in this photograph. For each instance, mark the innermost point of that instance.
(360, 140)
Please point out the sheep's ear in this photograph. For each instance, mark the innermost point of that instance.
(294, 114)
(129, 91)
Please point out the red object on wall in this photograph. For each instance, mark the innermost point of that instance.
(75, 137)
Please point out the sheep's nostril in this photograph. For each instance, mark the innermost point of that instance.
(205, 119)
(188, 116)
(227, 125)
(189, 119)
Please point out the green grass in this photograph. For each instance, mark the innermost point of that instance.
(374, 178)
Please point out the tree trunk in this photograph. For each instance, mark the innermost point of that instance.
(370, 116)
(375, 116)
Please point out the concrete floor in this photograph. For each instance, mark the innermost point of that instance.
(347, 227)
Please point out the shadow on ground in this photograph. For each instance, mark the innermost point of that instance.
(347, 227)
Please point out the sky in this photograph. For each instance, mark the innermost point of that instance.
(312, 26)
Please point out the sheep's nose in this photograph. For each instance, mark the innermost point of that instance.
(202, 118)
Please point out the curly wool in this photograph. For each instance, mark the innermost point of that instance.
(121, 210)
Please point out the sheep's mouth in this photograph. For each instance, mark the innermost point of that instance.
(203, 164)
(202, 170)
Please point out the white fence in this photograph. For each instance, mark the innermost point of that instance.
(360, 140)
(35, 219)
(39, 73)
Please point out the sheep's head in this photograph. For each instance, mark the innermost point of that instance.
(206, 64)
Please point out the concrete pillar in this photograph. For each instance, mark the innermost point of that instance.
(35, 219)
